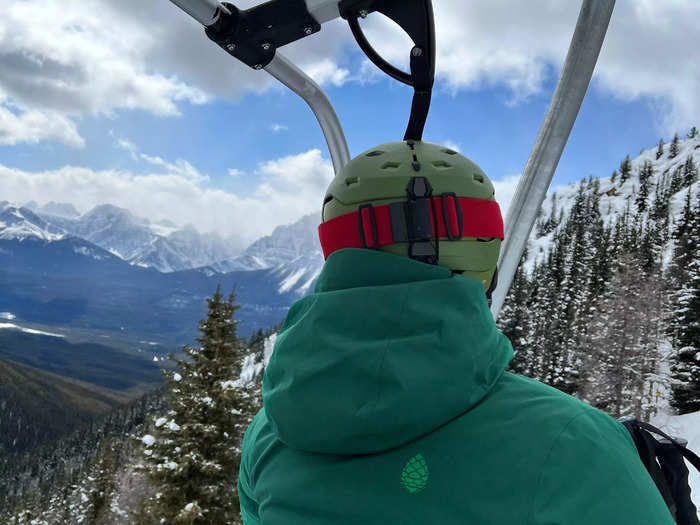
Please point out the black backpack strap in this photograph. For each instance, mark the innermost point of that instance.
(663, 460)
(688, 454)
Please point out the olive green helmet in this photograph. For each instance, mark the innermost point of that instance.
(382, 175)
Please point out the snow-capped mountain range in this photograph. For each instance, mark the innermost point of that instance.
(292, 252)
(157, 245)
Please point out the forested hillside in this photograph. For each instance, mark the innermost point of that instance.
(37, 406)
(605, 306)
(111, 470)
(87, 474)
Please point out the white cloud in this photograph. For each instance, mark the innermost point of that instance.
(180, 168)
(288, 188)
(63, 59)
(279, 127)
(235, 172)
(650, 52)
(35, 126)
(453, 145)
(126, 145)
(327, 72)
(505, 191)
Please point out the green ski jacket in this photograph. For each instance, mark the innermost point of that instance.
(386, 402)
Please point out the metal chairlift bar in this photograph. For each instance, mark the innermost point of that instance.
(299, 82)
(207, 13)
(584, 50)
(323, 10)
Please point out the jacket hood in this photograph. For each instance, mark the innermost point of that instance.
(386, 350)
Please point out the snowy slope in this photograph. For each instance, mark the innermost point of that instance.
(18, 223)
(616, 197)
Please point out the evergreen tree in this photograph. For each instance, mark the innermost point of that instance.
(674, 148)
(686, 363)
(514, 322)
(690, 171)
(625, 169)
(685, 323)
(676, 180)
(645, 174)
(613, 177)
(660, 149)
(193, 456)
(693, 133)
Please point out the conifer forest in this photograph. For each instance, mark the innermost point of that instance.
(605, 306)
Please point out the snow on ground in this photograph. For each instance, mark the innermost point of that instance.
(687, 427)
(7, 316)
(11, 326)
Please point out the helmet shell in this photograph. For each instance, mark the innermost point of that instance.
(380, 175)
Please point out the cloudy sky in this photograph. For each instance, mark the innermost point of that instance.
(127, 102)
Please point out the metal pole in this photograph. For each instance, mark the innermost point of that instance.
(206, 12)
(532, 189)
(323, 10)
(299, 82)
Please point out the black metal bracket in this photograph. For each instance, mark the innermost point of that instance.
(420, 221)
(253, 35)
(417, 19)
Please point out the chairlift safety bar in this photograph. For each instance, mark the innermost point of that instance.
(304, 17)
(591, 27)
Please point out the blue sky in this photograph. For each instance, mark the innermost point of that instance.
(175, 129)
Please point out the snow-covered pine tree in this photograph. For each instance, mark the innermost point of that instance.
(645, 174)
(690, 171)
(660, 149)
(193, 456)
(625, 169)
(685, 323)
(693, 132)
(674, 148)
(515, 321)
(613, 177)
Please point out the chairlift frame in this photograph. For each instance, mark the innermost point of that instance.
(248, 36)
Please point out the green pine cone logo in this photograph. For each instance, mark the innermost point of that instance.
(414, 476)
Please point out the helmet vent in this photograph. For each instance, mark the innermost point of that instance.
(478, 177)
(375, 153)
(349, 181)
(449, 151)
(390, 165)
(442, 164)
